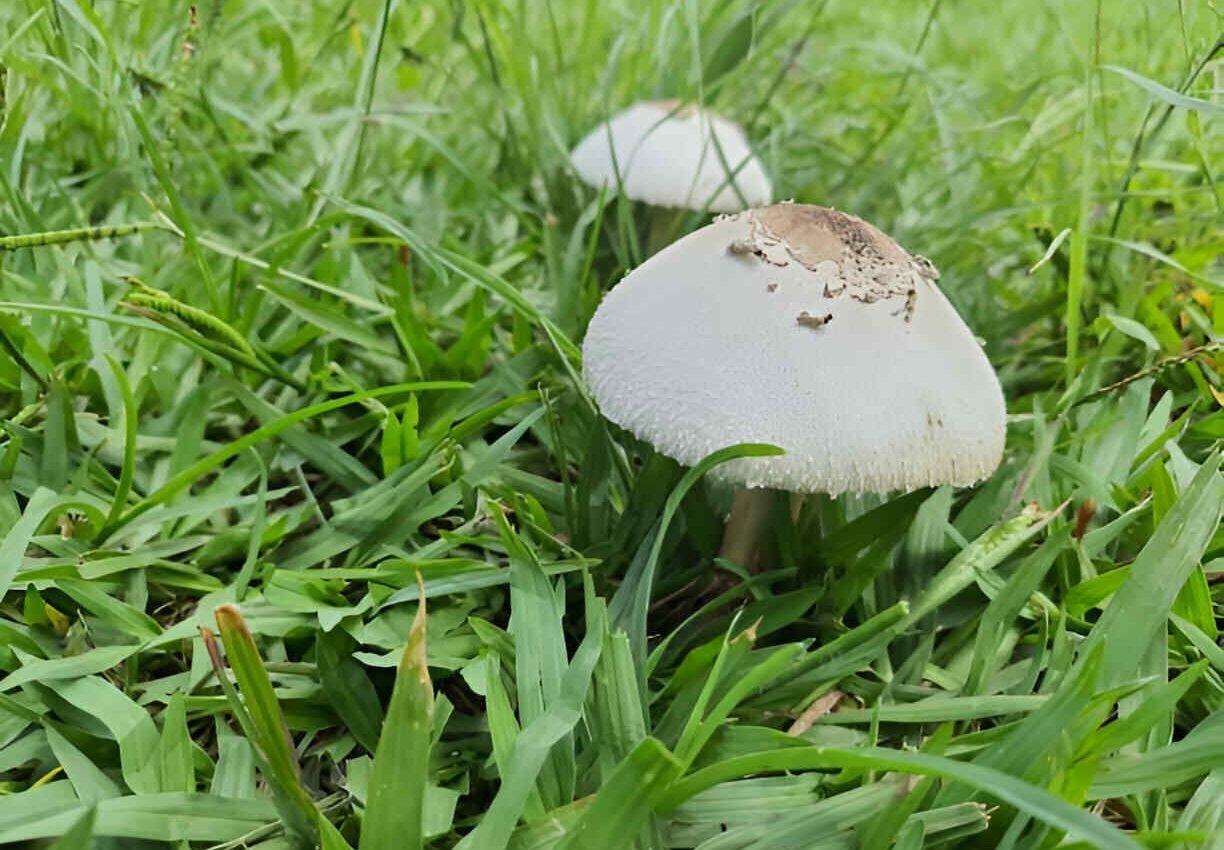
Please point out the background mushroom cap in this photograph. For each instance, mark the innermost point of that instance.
(667, 156)
(807, 328)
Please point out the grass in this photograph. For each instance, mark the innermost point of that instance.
(290, 304)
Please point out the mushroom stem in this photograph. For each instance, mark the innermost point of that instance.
(664, 223)
(746, 526)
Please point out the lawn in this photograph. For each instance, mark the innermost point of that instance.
(311, 532)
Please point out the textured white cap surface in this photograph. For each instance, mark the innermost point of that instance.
(670, 155)
(806, 328)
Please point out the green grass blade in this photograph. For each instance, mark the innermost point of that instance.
(58, 438)
(340, 172)
(626, 801)
(130, 425)
(1205, 812)
(152, 817)
(691, 743)
(1155, 701)
(533, 745)
(395, 809)
(190, 475)
(1168, 766)
(348, 688)
(617, 711)
(126, 722)
(70, 667)
(1166, 94)
(1004, 608)
(89, 782)
(174, 749)
(79, 836)
(1027, 798)
(234, 775)
(265, 722)
(539, 644)
(1140, 609)
(629, 606)
(977, 559)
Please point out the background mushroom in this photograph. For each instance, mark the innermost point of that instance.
(807, 328)
(677, 156)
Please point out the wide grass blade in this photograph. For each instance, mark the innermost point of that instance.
(152, 817)
(88, 781)
(394, 813)
(1166, 94)
(625, 802)
(1139, 611)
(348, 688)
(79, 836)
(539, 644)
(1030, 799)
(127, 723)
(535, 742)
(203, 467)
(259, 713)
(17, 538)
(1160, 768)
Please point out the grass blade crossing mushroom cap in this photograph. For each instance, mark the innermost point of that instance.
(670, 155)
(807, 328)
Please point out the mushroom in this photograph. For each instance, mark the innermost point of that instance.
(809, 329)
(670, 155)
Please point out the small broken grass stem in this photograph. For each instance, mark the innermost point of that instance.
(746, 526)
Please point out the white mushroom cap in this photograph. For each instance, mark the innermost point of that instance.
(674, 156)
(809, 329)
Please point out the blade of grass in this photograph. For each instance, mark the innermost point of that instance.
(533, 745)
(206, 465)
(1165, 94)
(342, 166)
(259, 713)
(152, 817)
(1141, 607)
(395, 809)
(128, 724)
(630, 604)
(625, 802)
(80, 835)
(1028, 798)
(1129, 774)
(130, 423)
(17, 538)
(539, 644)
(89, 782)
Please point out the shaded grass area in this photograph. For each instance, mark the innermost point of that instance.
(323, 339)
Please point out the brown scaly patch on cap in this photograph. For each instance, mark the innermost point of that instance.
(814, 235)
(870, 266)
